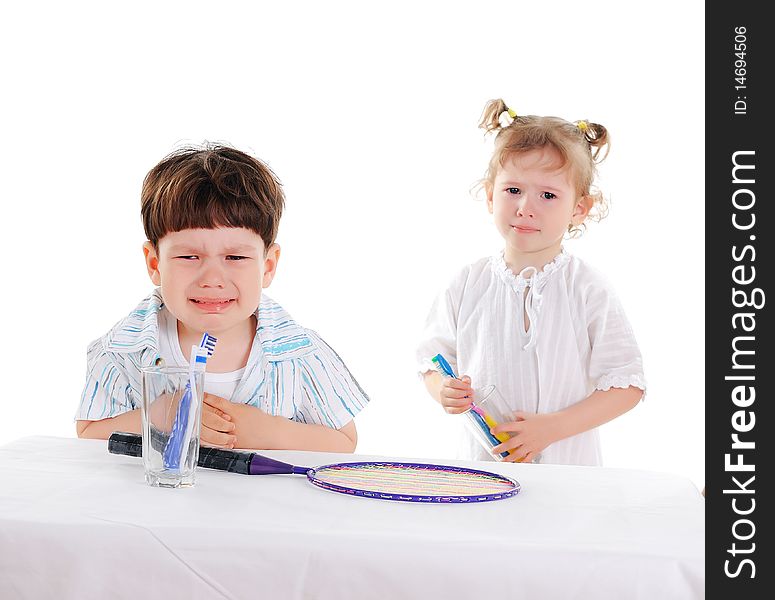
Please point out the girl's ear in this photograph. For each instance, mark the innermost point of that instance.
(152, 263)
(581, 210)
(488, 193)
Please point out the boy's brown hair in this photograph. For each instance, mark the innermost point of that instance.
(208, 187)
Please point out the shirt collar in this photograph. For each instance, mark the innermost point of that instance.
(537, 279)
(279, 335)
(139, 329)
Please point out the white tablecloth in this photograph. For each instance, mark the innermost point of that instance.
(78, 522)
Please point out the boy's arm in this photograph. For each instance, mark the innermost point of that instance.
(101, 430)
(257, 430)
(106, 391)
(216, 429)
(531, 433)
(285, 434)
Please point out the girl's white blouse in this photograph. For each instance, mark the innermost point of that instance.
(578, 340)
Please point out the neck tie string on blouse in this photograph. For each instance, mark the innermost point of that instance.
(532, 301)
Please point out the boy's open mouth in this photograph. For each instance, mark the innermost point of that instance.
(215, 304)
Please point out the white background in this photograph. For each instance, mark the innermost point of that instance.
(368, 115)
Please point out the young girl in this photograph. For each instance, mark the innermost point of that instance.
(541, 325)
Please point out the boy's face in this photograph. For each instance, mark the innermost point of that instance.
(211, 279)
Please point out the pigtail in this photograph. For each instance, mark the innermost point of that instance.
(580, 145)
(493, 113)
(597, 137)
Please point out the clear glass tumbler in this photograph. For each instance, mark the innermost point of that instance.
(488, 409)
(171, 416)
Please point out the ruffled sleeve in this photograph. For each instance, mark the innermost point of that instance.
(615, 360)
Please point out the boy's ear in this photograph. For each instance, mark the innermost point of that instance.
(152, 263)
(581, 210)
(271, 258)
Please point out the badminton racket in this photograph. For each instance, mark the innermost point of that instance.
(401, 481)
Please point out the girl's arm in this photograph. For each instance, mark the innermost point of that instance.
(433, 381)
(453, 394)
(598, 408)
(531, 433)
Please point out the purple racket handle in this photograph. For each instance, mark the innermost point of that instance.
(233, 461)
(262, 465)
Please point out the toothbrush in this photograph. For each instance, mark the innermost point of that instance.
(442, 366)
(491, 423)
(483, 420)
(182, 428)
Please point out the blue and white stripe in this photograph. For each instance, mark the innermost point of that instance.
(291, 370)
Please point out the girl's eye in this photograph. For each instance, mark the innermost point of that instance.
(188, 257)
(548, 196)
(512, 190)
(236, 257)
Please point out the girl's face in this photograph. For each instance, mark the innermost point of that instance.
(533, 202)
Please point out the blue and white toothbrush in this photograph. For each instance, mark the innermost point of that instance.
(183, 427)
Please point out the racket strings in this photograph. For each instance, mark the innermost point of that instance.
(398, 479)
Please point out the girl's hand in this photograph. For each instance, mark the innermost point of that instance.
(530, 434)
(456, 395)
(217, 426)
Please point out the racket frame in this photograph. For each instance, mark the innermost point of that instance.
(427, 498)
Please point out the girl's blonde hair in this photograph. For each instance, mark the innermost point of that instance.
(580, 145)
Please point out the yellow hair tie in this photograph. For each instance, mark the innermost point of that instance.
(512, 112)
(582, 125)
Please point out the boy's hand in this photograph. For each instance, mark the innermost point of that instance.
(217, 426)
(530, 434)
(247, 423)
(456, 395)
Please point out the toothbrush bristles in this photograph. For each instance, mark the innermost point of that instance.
(208, 343)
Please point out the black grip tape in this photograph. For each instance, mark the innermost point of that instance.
(233, 461)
